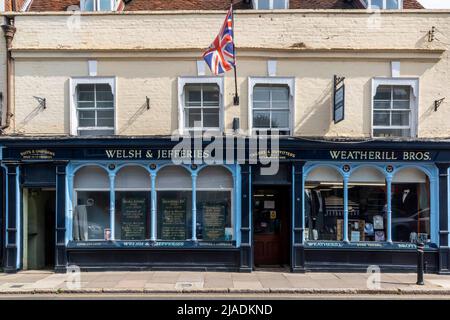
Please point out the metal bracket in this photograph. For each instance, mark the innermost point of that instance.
(437, 104)
(147, 101)
(431, 34)
(42, 102)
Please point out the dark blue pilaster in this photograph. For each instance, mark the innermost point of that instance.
(11, 244)
(246, 264)
(444, 251)
(298, 249)
(61, 257)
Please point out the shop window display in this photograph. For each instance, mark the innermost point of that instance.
(324, 204)
(410, 206)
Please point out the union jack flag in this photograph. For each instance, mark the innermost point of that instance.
(220, 56)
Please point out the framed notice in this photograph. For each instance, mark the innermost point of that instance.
(213, 221)
(173, 219)
(133, 218)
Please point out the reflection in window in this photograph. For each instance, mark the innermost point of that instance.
(91, 215)
(214, 191)
(324, 205)
(202, 106)
(410, 206)
(271, 107)
(174, 203)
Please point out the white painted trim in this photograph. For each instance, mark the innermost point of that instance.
(92, 67)
(272, 68)
(414, 84)
(97, 4)
(289, 81)
(395, 69)
(256, 5)
(369, 5)
(182, 82)
(2, 5)
(74, 81)
(201, 68)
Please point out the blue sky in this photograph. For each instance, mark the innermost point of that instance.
(435, 4)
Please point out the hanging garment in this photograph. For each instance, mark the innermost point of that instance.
(80, 223)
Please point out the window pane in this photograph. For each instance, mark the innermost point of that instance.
(211, 118)
(392, 4)
(367, 206)
(381, 118)
(383, 93)
(261, 105)
(261, 119)
(279, 4)
(377, 4)
(193, 95)
(381, 104)
(401, 92)
(261, 94)
(104, 92)
(193, 117)
(280, 119)
(85, 92)
(214, 215)
(132, 212)
(95, 132)
(82, 105)
(324, 207)
(86, 118)
(105, 5)
(88, 5)
(174, 215)
(387, 133)
(411, 211)
(263, 4)
(91, 216)
(280, 93)
(105, 105)
(211, 95)
(400, 118)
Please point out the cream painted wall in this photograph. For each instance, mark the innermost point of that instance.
(47, 54)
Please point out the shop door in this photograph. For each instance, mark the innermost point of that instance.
(39, 229)
(271, 225)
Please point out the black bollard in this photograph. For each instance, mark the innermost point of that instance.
(420, 262)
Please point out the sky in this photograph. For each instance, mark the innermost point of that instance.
(435, 4)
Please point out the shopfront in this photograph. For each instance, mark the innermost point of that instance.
(116, 203)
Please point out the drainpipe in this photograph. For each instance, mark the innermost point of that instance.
(9, 30)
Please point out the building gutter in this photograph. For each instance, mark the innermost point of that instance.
(9, 31)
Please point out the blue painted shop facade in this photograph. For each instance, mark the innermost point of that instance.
(124, 204)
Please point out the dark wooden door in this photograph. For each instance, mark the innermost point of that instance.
(270, 227)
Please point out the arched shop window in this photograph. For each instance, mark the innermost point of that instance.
(91, 216)
(324, 204)
(214, 203)
(410, 206)
(367, 209)
(174, 203)
(132, 203)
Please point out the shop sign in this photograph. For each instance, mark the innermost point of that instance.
(151, 244)
(37, 154)
(380, 155)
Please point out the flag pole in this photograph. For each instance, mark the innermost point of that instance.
(236, 96)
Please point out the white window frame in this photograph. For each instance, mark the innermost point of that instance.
(97, 5)
(182, 82)
(414, 102)
(74, 82)
(288, 81)
(368, 5)
(256, 5)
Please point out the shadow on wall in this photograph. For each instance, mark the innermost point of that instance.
(133, 118)
(33, 114)
(317, 119)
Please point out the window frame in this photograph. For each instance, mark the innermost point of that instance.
(368, 5)
(256, 5)
(290, 82)
(414, 104)
(182, 82)
(97, 5)
(74, 82)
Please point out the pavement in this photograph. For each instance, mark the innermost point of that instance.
(222, 283)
